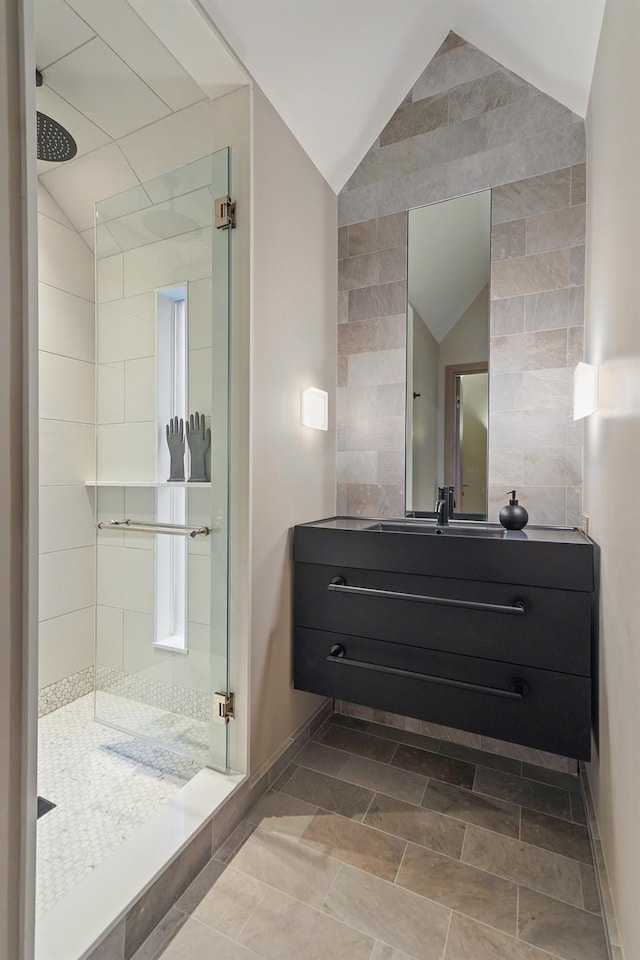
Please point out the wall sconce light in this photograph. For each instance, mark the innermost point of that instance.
(585, 390)
(315, 408)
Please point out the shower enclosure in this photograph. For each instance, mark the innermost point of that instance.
(162, 350)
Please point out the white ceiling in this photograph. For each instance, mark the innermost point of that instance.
(449, 258)
(336, 70)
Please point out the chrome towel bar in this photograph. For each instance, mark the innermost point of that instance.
(138, 526)
(339, 584)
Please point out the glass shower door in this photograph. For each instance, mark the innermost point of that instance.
(161, 489)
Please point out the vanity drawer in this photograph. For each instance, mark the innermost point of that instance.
(521, 704)
(533, 626)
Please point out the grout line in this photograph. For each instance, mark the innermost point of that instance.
(464, 842)
(446, 939)
(373, 796)
(342, 769)
(196, 920)
(475, 777)
(251, 913)
(331, 886)
(518, 911)
(423, 795)
(400, 865)
(581, 889)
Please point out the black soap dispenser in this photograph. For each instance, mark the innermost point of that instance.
(513, 516)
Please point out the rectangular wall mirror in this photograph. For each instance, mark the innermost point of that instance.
(449, 270)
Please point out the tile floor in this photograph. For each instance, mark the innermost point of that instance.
(105, 784)
(379, 844)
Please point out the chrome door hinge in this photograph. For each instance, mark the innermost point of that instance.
(223, 707)
(225, 213)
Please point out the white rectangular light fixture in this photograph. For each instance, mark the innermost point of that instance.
(315, 408)
(585, 390)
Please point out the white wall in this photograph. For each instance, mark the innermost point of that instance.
(466, 342)
(11, 484)
(293, 347)
(66, 380)
(424, 431)
(612, 457)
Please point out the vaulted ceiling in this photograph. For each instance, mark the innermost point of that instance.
(336, 70)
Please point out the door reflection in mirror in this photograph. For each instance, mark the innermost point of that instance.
(449, 265)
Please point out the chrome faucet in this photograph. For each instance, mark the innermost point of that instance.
(442, 507)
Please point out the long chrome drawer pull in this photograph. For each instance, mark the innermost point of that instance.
(516, 609)
(519, 691)
(171, 529)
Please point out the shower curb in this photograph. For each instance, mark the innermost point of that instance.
(144, 918)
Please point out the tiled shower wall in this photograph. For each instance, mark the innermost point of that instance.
(468, 124)
(66, 341)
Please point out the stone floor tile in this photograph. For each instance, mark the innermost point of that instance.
(562, 930)
(434, 765)
(555, 778)
(353, 741)
(527, 793)
(382, 777)
(451, 883)
(196, 939)
(294, 869)
(283, 929)
(553, 833)
(338, 796)
(283, 815)
(469, 940)
(590, 893)
(362, 846)
(578, 811)
(471, 755)
(523, 863)
(497, 815)
(382, 951)
(409, 737)
(230, 902)
(316, 756)
(354, 723)
(386, 912)
(418, 825)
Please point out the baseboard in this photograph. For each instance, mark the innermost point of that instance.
(610, 923)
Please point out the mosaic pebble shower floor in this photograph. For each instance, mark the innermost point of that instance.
(105, 784)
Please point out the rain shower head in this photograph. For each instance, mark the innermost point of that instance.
(54, 142)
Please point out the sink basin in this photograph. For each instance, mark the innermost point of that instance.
(480, 530)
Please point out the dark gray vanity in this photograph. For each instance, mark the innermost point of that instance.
(467, 625)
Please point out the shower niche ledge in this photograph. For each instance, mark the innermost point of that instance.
(153, 484)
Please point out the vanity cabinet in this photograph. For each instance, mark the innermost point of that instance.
(489, 634)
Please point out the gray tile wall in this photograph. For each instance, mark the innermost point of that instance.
(468, 124)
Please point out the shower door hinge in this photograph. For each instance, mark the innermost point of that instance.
(225, 213)
(223, 707)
